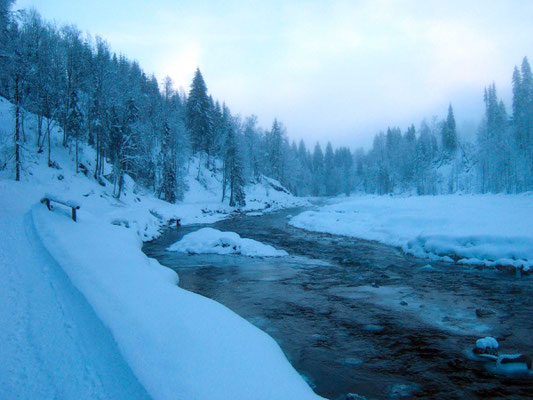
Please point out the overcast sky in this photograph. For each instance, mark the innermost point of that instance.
(337, 70)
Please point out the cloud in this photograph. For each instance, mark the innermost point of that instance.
(338, 70)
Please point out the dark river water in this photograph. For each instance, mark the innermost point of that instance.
(358, 317)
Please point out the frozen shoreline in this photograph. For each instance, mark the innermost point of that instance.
(490, 230)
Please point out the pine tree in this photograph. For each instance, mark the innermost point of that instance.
(494, 145)
(252, 141)
(74, 122)
(232, 170)
(169, 182)
(318, 171)
(198, 116)
(274, 142)
(449, 132)
(329, 176)
(523, 126)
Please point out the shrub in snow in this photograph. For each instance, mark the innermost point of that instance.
(209, 240)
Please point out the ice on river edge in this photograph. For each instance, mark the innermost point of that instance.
(213, 241)
(487, 230)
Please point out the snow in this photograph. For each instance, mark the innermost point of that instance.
(165, 332)
(268, 194)
(53, 344)
(85, 314)
(263, 194)
(209, 240)
(504, 365)
(487, 343)
(474, 229)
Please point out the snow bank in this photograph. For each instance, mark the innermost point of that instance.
(179, 344)
(53, 345)
(514, 365)
(270, 195)
(487, 343)
(475, 229)
(209, 240)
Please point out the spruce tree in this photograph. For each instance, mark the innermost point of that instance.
(318, 171)
(329, 178)
(274, 142)
(198, 115)
(527, 101)
(449, 132)
(232, 170)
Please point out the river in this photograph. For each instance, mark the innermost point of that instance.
(354, 316)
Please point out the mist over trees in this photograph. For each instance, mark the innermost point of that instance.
(146, 129)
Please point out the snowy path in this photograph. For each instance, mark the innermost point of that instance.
(53, 345)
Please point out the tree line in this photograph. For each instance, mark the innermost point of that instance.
(148, 130)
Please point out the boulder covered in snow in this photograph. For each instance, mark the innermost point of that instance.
(209, 240)
(487, 345)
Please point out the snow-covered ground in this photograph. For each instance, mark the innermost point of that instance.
(209, 240)
(85, 314)
(473, 229)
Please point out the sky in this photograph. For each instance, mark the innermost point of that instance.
(329, 70)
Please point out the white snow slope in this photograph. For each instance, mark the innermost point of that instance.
(209, 240)
(475, 229)
(85, 314)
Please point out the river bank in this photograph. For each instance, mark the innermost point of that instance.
(360, 317)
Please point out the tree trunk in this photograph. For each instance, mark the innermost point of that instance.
(223, 181)
(17, 128)
(39, 129)
(48, 137)
(199, 165)
(22, 130)
(97, 165)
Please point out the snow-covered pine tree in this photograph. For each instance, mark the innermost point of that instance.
(493, 143)
(168, 187)
(523, 125)
(72, 49)
(318, 171)
(16, 72)
(329, 171)
(252, 147)
(408, 156)
(198, 115)
(344, 170)
(273, 144)
(232, 169)
(74, 123)
(449, 133)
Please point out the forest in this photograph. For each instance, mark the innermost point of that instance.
(145, 128)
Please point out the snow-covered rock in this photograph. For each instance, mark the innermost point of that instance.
(487, 343)
(209, 240)
(486, 348)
